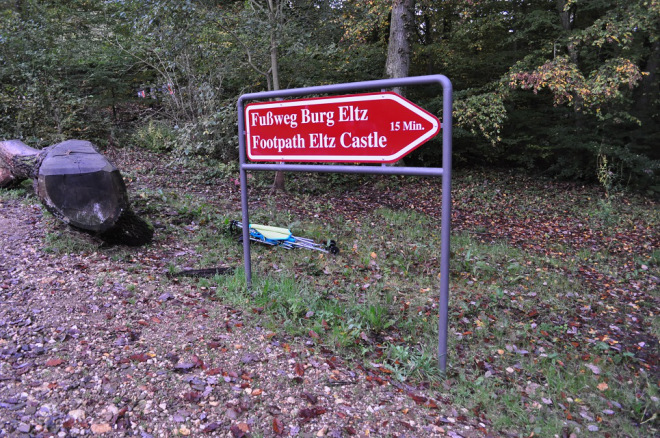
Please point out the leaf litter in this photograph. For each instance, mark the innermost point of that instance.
(101, 341)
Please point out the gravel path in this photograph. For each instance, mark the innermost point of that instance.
(102, 343)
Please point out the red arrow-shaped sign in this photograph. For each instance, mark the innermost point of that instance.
(364, 128)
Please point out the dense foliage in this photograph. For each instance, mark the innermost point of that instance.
(547, 85)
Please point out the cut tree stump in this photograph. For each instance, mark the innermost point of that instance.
(80, 186)
(77, 185)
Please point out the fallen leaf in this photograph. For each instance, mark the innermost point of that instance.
(54, 362)
(602, 386)
(184, 367)
(198, 362)
(278, 426)
(586, 416)
(139, 357)
(210, 427)
(308, 414)
(77, 414)
(239, 430)
(299, 369)
(192, 396)
(419, 399)
(101, 428)
(311, 398)
(593, 368)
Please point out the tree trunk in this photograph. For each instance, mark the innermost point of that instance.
(567, 17)
(648, 90)
(274, 16)
(399, 46)
(78, 186)
(402, 30)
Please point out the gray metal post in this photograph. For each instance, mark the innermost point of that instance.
(445, 223)
(247, 258)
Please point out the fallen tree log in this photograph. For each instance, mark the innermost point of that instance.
(80, 186)
(17, 162)
(202, 273)
(77, 185)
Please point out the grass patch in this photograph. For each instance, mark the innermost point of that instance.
(532, 348)
(22, 191)
(66, 241)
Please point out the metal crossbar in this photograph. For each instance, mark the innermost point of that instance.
(444, 172)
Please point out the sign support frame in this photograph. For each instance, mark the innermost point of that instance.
(444, 172)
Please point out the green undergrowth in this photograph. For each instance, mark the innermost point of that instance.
(529, 339)
(532, 348)
(22, 191)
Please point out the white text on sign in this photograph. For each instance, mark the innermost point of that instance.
(348, 113)
(373, 127)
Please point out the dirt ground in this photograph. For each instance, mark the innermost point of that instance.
(94, 343)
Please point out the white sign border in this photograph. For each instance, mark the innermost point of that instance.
(342, 99)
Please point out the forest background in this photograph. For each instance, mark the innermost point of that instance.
(558, 87)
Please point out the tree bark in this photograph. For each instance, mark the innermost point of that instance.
(567, 17)
(399, 45)
(274, 17)
(648, 90)
(77, 185)
(17, 162)
(402, 30)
